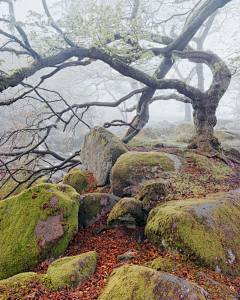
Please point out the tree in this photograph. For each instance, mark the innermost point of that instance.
(128, 37)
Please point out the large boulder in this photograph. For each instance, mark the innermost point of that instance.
(72, 270)
(128, 212)
(100, 151)
(136, 167)
(93, 206)
(138, 282)
(205, 229)
(35, 225)
(76, 179)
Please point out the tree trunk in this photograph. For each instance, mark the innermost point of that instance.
(204, 117)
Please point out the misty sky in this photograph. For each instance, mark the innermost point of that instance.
(22, 7)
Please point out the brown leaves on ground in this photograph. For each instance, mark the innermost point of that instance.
(113, 242)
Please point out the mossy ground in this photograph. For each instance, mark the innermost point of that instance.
(72, 270)
(180, 226)
(19, 247)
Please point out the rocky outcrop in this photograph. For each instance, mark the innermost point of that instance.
(93, 207)
(205, 229)
(35, 225)
(138, 282)
(72, 270)
(137, 167)
(128, 212)
(76, 179)
(99, 153)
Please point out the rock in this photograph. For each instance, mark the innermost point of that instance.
(207, 230)
(127, 256)
(35, 225)
(138, 282)
(100, 150)
(184, 137)
(154, 190)
(93, 207)
(148, 133)
(224, 135)
(72, 270)
(232, 152)
(20, 280)
(76, 179)
(136, 167)
(128, 212)
(168, 265)
(157, 145)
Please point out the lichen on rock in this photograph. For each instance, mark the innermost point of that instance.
(72, 270)
(76, 179)
(100, 150)
(205, 229)
(136, 167)
(138, 282)
(93, 206)
(35, 225)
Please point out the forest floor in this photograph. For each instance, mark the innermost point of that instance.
(113, 242)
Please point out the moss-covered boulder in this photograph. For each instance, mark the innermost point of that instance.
(232, 152)
(165, 264)
(154, 189)
(93, 206)
(72, 270)
(35, 225)
(184, 137)
(128, 212)
(76, 179)
(136, 167)
(148, 133)
(100, 151)
(138, 282)
(205, 229)
(22, 282)
(224, 135)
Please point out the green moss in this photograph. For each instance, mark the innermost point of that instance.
(153, 190)
(208, 165)
(224, 135)
(183, 137)
(72, 270)
(76, 179)
(204, 229)
(21, 281)
(134, 167)
(19, 247)
(128, 206)
(138, 282)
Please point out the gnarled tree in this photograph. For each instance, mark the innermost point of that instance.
(125, 35)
